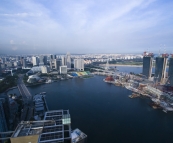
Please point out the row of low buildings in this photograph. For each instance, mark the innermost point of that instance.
(160, 75)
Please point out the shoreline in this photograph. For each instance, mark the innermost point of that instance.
(120, 65)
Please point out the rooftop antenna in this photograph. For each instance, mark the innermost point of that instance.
(164, 49)
(160, 50)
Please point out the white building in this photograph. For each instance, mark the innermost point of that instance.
(35, 61)
(63, 69)
(79, 64)
(63, 61)
(68, 57)
(45, 69)
(33, 78)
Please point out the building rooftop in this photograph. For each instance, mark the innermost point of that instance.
(56, 127)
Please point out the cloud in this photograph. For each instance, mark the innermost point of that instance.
(14, 48)
(11, 42)
(86, 26)
(22, 15)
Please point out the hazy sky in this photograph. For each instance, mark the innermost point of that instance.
(85, 26)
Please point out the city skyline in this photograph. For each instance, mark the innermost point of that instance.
(85, 26)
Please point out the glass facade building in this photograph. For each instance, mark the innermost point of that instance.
(160, 68)
(3, 123)
(170, 72)
(147, 66)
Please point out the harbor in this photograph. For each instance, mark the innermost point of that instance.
(143, 87)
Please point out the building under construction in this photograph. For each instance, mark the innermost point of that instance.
(147, 64)
(170, 72)
(160, 68)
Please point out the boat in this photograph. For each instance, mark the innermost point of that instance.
(49, 81)
(42, 93)
(165, 111)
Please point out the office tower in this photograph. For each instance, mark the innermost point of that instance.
(55, 64)
(63, 70)
(0, 69)
(21, 60)
(24, 63)
(63, 61)
(79, 64)
(35, 61)
(147, 64)
(52, 57)
(56, 127)
(45, 69)
(42, 60)
(17, 58)
(160, 68)
(3, 123)
(68, 58)
(170, 72)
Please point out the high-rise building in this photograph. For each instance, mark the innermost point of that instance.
(23, 62)
(0, 69)
(35, 61)
(17, 58)
(68, 58)
(63, 61)
(3, 123)
(160, 68)
(147, 64)
(79, 64)
(63, 69)
(170, 72)
(45, 69)
(52, 57)
(55, 64)
(42, 60)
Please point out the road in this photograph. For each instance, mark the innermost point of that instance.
(27, 112)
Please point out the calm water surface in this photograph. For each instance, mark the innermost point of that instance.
(105, 112)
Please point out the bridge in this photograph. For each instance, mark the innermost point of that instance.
(27, 111)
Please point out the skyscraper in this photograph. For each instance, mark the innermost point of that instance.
(63, 61)
(147, 64)
(17, 58)
(3, 124)
(35, 61)
(79, 64)
(0, 69)
(52, 57)
(42, 60)
(160, 68)
(170, 72)
(55, 64)
(23, 62)
(68, 57)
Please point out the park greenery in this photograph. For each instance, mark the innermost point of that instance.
(8, 82)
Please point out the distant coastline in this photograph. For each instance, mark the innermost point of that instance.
(111, 65)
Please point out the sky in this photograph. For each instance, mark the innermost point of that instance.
(85, 26)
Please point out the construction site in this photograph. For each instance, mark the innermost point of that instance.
(156, 84)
